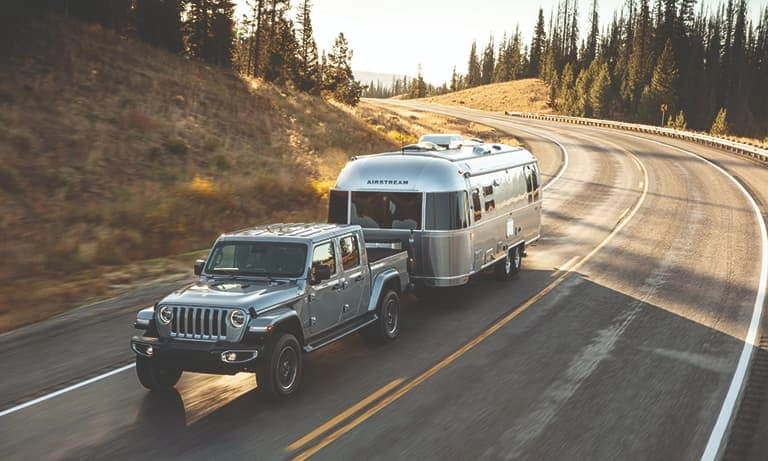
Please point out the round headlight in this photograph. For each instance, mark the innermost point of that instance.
(165, 315)
(237, 318)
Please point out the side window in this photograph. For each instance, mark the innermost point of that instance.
(529, 179)
(476, 206)
(324, 254)
(350, 252)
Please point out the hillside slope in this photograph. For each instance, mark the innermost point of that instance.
(527, 95)
(112, 151)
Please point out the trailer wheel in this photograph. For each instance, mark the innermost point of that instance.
(155, 376)
(387, 326)
(279, 374)
(510, 265)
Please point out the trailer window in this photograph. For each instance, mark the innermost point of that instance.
(532, 181)
(386, 210)
(476, 206)
(337, 207)
(447, 211)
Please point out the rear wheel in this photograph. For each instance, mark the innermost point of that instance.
(510, 265)
(387, 326)
(155, 376)
(279, 375)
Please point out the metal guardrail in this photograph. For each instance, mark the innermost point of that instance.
(706, 139)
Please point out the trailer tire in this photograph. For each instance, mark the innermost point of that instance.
(279, 374)
(387, 327)
(510, 265)
(154, 376)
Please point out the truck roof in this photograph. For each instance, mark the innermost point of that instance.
(290, 231)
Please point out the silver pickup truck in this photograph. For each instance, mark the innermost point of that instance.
(264, 296)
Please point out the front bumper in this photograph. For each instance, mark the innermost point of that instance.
(198, 356)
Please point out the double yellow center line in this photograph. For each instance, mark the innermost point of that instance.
(380, 400)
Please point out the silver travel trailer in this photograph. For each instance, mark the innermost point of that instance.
(458, 210)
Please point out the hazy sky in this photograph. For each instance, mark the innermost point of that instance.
(395, 36)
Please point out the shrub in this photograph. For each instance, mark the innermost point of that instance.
(9, 179)
(220, 162)
(720, 125)
(176, 147)
(678, 122)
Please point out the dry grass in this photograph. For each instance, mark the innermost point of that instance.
(115, 156)
(527, 95)
(113, 152)
(404, 125)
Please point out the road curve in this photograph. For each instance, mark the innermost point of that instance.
(618, 340)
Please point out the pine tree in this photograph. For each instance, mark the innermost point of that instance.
(419, 86)
(601, 92)
(473, 68)
(678, 122)
(158, 22)
(590, 50)
(640, 60)
(720, 125)
(662, 89)
(308, 74)
(209, 31)
(537, 46)
(338, 79)
(283, 61)
(486, 69)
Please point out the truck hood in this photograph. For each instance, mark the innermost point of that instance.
(236, 294)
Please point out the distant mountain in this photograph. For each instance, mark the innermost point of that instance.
(386, 79)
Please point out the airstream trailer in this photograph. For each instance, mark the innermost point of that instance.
(458, 210)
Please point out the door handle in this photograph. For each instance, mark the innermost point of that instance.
(358, 278)
(337, 287)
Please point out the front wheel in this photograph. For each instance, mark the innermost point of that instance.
(387, 326)
(155, 376)
(510, 265)
(279, 376)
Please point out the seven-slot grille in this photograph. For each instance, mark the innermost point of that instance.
(201, 323)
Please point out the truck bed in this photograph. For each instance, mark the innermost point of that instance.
(384, 259)
(375, 254)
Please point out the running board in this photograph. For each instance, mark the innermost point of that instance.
(335, 334)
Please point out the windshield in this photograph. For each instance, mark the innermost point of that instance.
(386, 210)
(267, 259)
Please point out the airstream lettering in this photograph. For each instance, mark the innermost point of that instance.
(458, 210)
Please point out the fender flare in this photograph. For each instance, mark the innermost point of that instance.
(377, 287)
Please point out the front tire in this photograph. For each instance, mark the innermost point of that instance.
(155, 376)
(387, 326)
(279, 376)
(510, 265)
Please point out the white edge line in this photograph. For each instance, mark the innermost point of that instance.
(65, 390)
(739, 377)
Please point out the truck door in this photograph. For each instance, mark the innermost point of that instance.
(324, 306)
(355, 282)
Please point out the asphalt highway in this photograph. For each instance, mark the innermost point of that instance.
(623, 337)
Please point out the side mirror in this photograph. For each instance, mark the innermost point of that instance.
(319, 273)
(199, 266)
